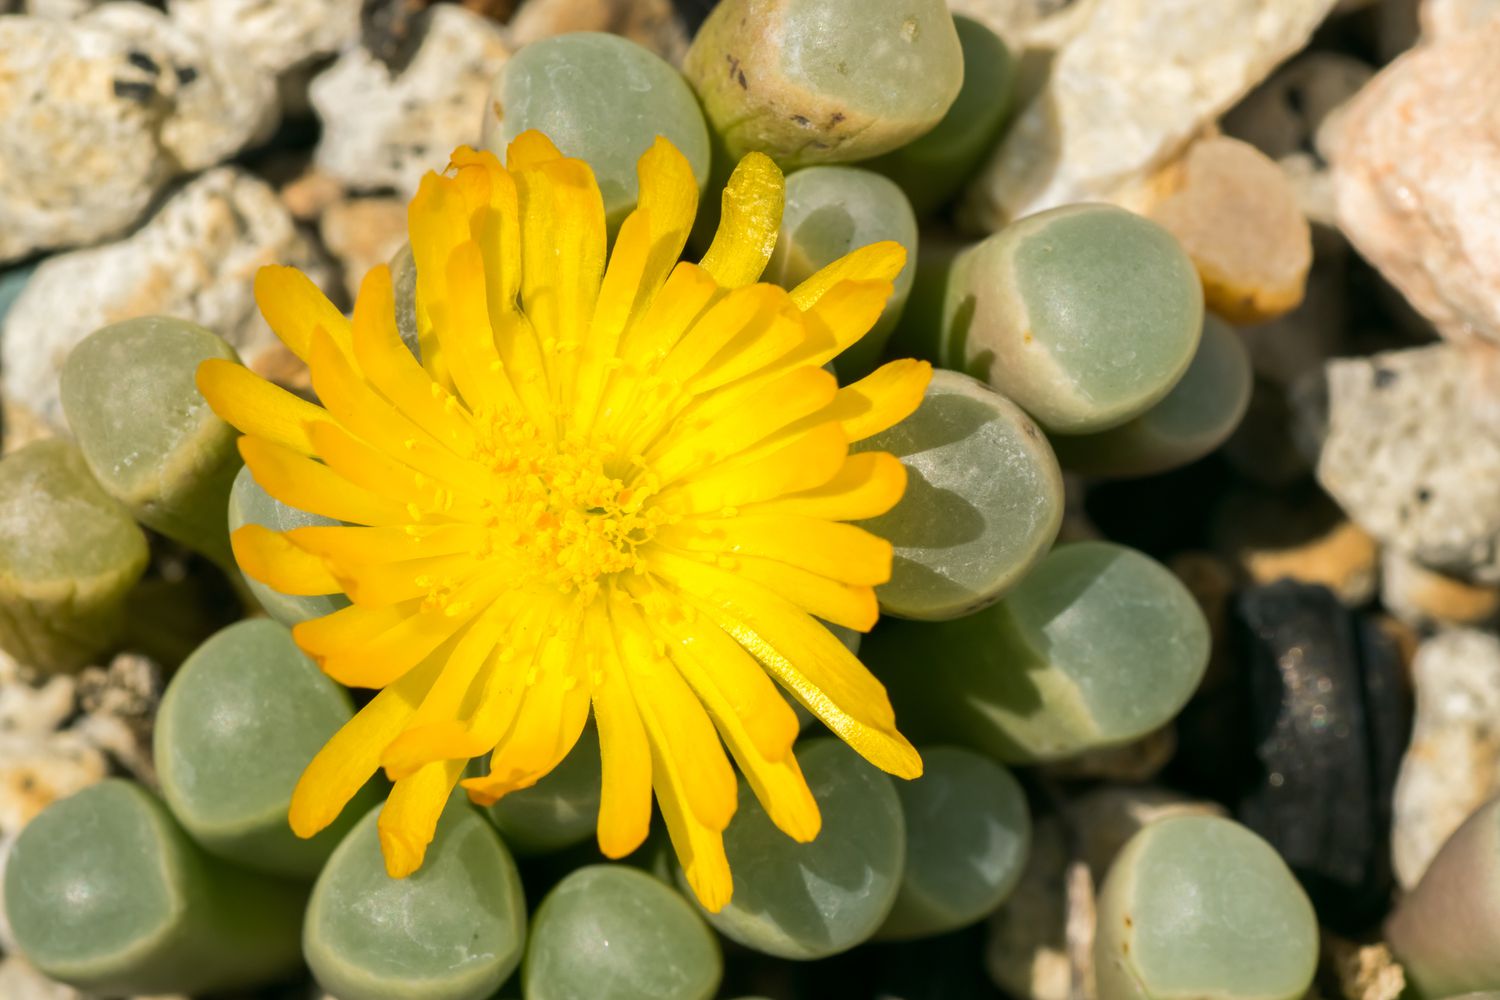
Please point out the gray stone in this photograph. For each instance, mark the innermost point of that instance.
(1452, 766)
(195, 259)
(275, 35)
(1126, 94)
(1415, 161)
(386, 127)
(1412, 454)
(98, 114)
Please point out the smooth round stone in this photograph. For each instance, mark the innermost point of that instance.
(238, 724)
(603, 99)
(611, 932)
(452, 930)
(1446, 931)
(829, 212)
(1199, 906)
(106, 893)
(1197, 416)
(69, 554)
(809, 901)
(149, 436)
(1098, 645)
(249, 504)
(1085, 315)
(968, 833)
(559, 811)
(931, 169)
(983, 501)
(824, 81)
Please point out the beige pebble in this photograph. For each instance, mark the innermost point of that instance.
(1238, 218)
(362, 233)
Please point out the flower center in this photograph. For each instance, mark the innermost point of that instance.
(566, 513)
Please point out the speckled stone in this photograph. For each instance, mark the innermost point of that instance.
(1127, 92)
(195, 259)
(126, 99)
(1412, 453)
(387, 125)
(275, 35)
(1452, 766)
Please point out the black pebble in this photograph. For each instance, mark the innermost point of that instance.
(1328, 719)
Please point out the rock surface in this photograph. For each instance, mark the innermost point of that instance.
(385, 125)
(97, 114)
(1238, 218)
(1291, 117)
(1127, 93)
(361, 233)
(1412, 453)
(1445, 19)
(195, 259)
(1452, 766)
(274, 34)
(1423, 598)
(1414, 167)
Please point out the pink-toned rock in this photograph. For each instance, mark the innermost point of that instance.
(1416, 166)
(1444, 19)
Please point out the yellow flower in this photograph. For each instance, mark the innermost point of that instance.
(613, 486)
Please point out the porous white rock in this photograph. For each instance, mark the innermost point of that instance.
(1411, 451)
(196, 258)
(1126, 94)
(1452, 765)
(98, 113)
(385, 126)
(1416, 168)
(273, 34)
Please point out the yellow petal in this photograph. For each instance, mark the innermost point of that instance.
(869, 484)
(624, 752)
(805, 657)
(409, 817)
(298, 481)
(874, 262)
(748, 224)
(845, 604)
(675, 720)
(806, 461)
(621, 296)
(349, 759)
(494, 222)
(699, 846)
(530, 149)
(294, 307)
(274, 560)
(257, 407)
(349, 626)
(669, 197)
(881, 399)
(829, 548)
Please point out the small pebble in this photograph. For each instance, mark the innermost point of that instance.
(1237, 217)
(1452, 765)
(1426, 598)
(362, 233)
(1296, 536)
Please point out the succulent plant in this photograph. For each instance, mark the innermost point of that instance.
(807, 901)
(1200, 906)
(933, 167)
(1194, 418)
(148, 436)
(824, 81)
(69, 554)
(1097, 646)
(1086, 316)
(830, 211)
(454, 930)
(983, 501)
(105, 892)
(608, 932)
(237, 725)
(968, 832)
(603, 99)
(559, 811)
